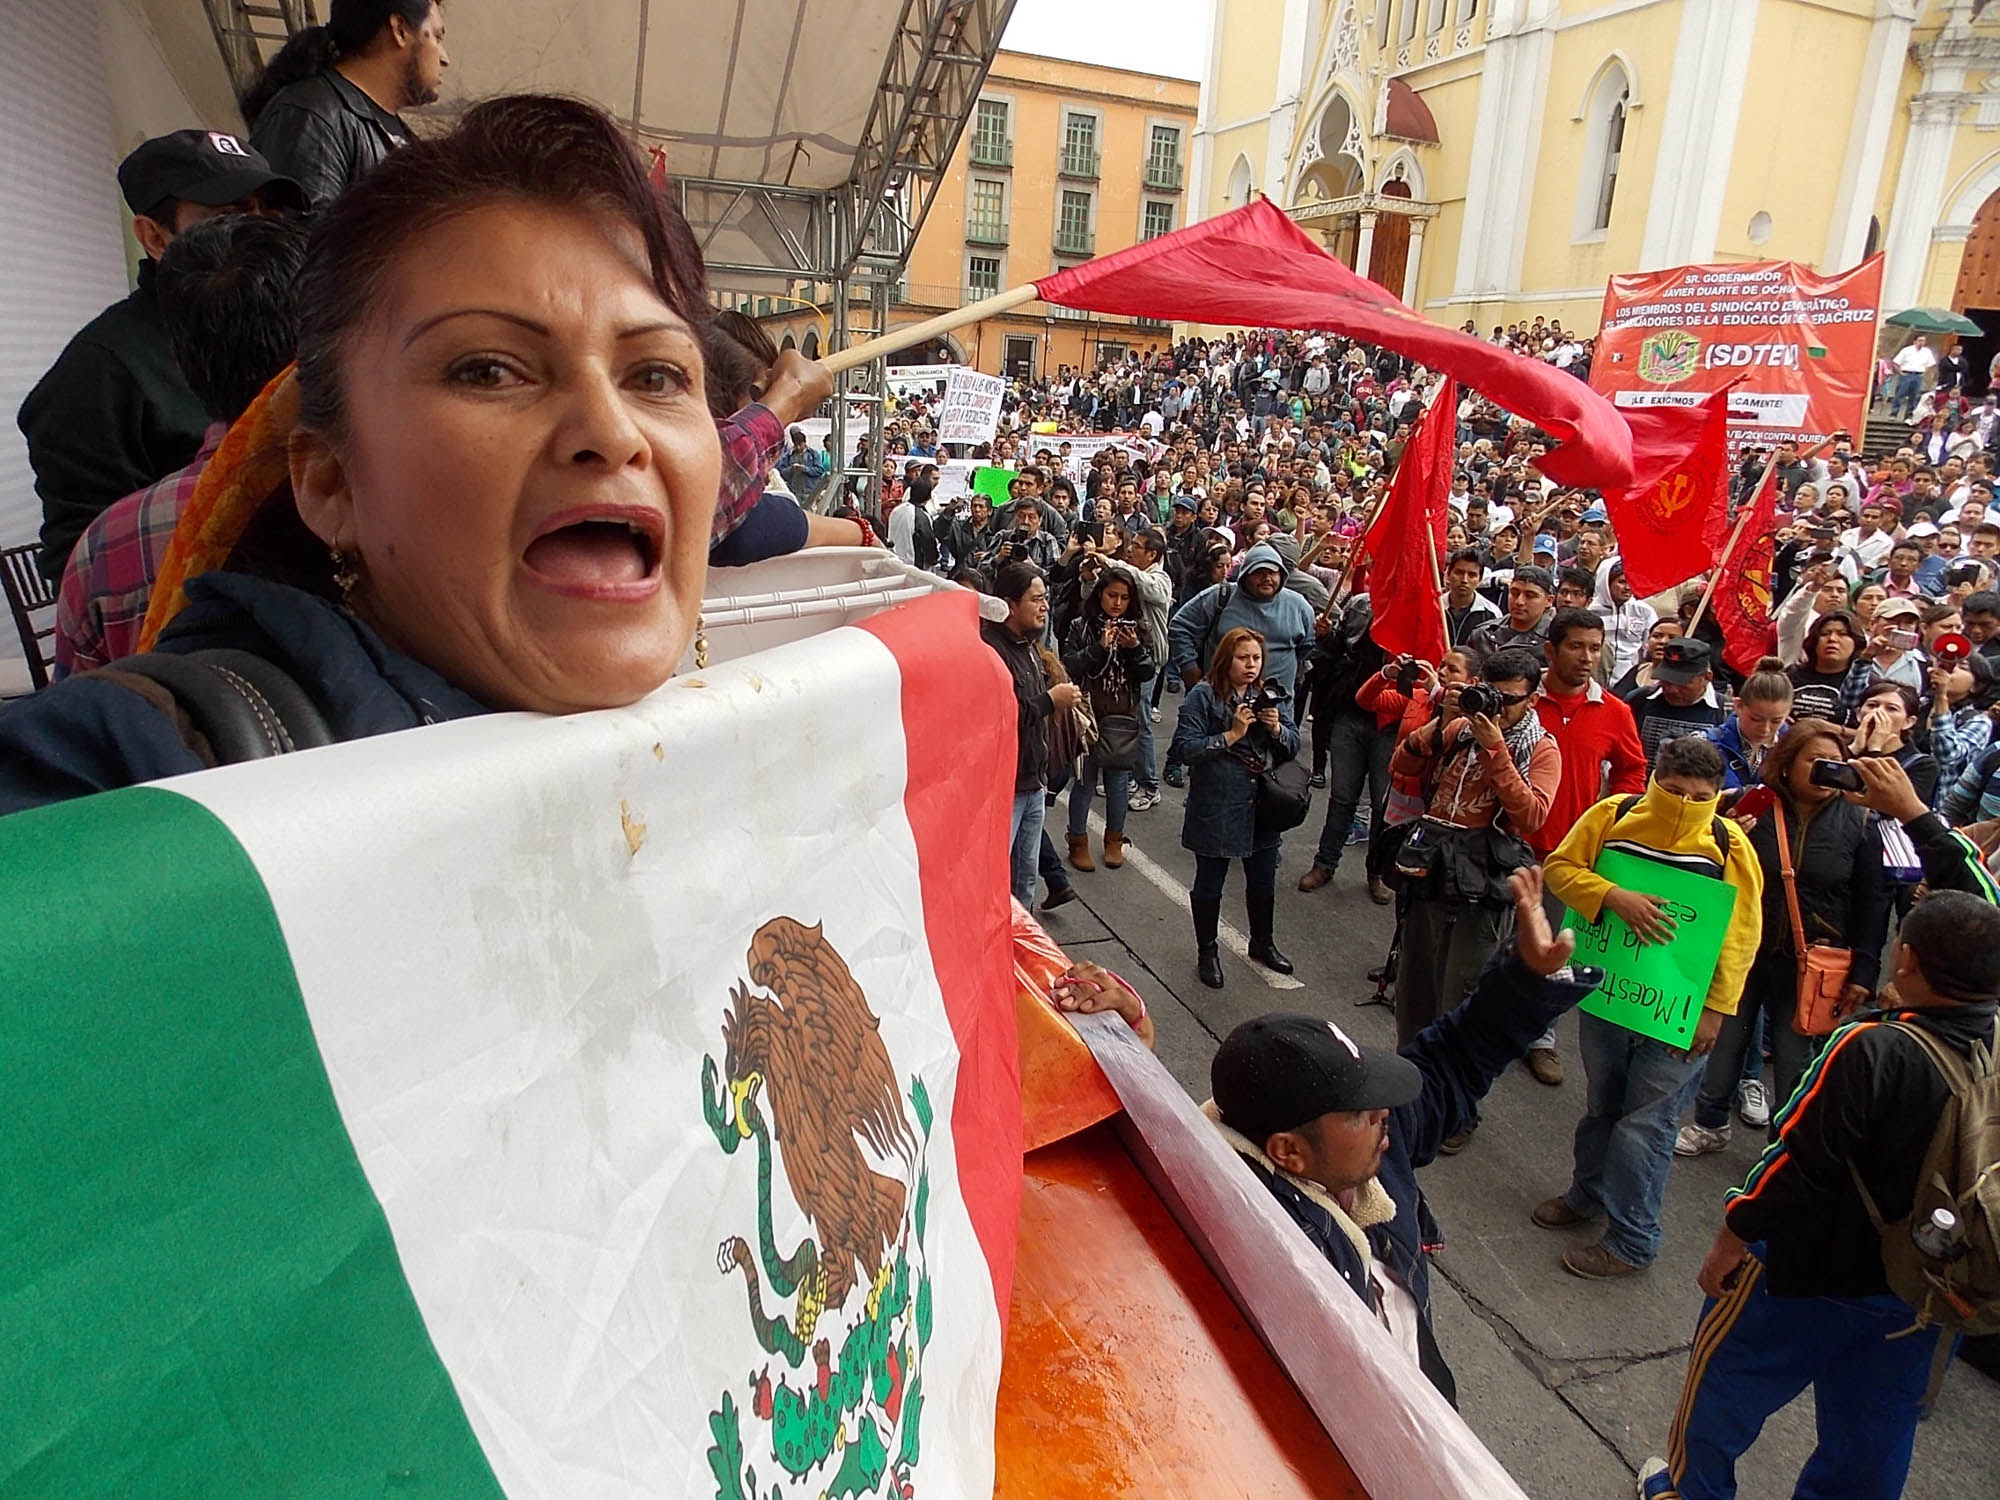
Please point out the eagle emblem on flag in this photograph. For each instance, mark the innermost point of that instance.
(839, 1386)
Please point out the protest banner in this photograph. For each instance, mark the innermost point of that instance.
(971, 410)
(928, 381)
(1802, 345)
(411, 1155)
(1655, 989)
(954, 480)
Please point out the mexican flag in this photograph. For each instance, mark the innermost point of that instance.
(619, 1105)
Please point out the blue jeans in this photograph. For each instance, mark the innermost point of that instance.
(1625, 1140)
(1146, 775)
(1117, 798)
(1755, 1352)
(1909, 389)
(1770, 995)
(1357, 760)
(1026, 845)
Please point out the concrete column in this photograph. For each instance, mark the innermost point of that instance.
(1868, 136)
(1279, 154)
(1415, 258)
(1919, 196)
(1364, 247)
(1698, 133)
(1500, 182)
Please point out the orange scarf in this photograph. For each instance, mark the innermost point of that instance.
(249, 467)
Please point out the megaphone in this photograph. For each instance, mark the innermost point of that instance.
(1952, 648)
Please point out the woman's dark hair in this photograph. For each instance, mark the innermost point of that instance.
(1794, 743)
(1985, 680)
(524, 148)
(1902, 692)
(1809, 651)
(736, 354)
(1014, 580)
(350, 26)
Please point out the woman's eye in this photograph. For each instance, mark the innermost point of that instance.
(483, 372)
(659, 379)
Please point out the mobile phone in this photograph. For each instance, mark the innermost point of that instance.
(1755, 801)
(1903, 640)
(1837, 774)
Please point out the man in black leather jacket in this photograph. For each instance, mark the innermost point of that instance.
(324, 110)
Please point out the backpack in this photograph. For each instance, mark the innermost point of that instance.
(1719, 828)
(1961, 1172)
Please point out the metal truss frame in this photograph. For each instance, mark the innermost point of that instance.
(244, 28)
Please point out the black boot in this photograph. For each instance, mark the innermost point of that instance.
(1260, 905)
(1207, 915)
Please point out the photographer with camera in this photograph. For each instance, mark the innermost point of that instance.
(1235, 726)
(1491, 772)
(1025, 541)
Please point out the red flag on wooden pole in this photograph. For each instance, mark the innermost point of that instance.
(1680, 479)
(1407, 538)
(1741, 588)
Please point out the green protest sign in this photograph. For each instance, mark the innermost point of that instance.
(994, 482)
(1655, 989)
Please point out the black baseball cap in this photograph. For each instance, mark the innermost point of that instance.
(1279, 1071)
(209, 167)
(1683, 659)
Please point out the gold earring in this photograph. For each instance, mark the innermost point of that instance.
(700, 643)
(345, 574)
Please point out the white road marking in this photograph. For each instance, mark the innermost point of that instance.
(1163, 881)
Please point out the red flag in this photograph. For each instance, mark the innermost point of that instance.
(1742, 602)
(1680, 478)
(1253, 267)
(1406, 540)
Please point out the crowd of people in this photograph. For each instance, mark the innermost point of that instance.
(1847, 787)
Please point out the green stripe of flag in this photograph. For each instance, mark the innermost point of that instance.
(199, 1295)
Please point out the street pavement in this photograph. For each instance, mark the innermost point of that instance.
(1570, 1383)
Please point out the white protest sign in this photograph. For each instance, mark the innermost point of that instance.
(971, 411)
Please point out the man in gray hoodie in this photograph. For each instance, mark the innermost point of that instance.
(1256, 599)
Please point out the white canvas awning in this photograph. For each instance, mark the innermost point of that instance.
(805, 136)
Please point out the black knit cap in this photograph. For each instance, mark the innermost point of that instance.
(1279, 1071)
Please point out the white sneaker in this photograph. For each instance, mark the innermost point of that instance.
(1142, 800)
(1654, 1480)
(1753, 1105)
(1699, 1140)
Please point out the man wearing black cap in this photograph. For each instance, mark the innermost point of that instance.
(114, 412)
(1336, 1131)
(1682, 698)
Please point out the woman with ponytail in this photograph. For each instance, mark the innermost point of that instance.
(323, 111)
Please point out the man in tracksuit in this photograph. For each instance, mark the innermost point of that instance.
(1336, 1132)
(1797, 1294)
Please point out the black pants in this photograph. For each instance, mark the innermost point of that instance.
(1260, 874)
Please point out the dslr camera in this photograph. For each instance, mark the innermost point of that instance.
(1407, 672)
(1267, 694)
(1478, 698)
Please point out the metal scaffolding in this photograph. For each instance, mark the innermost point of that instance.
(852, 237)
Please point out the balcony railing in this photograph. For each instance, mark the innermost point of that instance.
(978, 294)
(986, 232)
(1075, 242)
(992, 151)
(1077, 162)
(1163, 174)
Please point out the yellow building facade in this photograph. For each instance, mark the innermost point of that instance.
(1497, 160)
(1060, 162)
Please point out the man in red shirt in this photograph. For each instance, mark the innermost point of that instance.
(1601, 757)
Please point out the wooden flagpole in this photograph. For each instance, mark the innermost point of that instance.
(1743, 520)
(896, 339)
(1437, 578)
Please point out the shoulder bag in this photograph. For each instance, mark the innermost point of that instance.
(1823, 969)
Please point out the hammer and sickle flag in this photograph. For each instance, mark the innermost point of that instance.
(1680, 464)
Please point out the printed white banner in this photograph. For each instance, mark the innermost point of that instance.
(971, 412)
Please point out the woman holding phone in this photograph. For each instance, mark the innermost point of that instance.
(1107, 656)
(1835, 851)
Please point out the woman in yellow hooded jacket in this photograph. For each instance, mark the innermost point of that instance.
(1637, 1086)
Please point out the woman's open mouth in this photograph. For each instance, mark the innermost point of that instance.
(610, 553)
